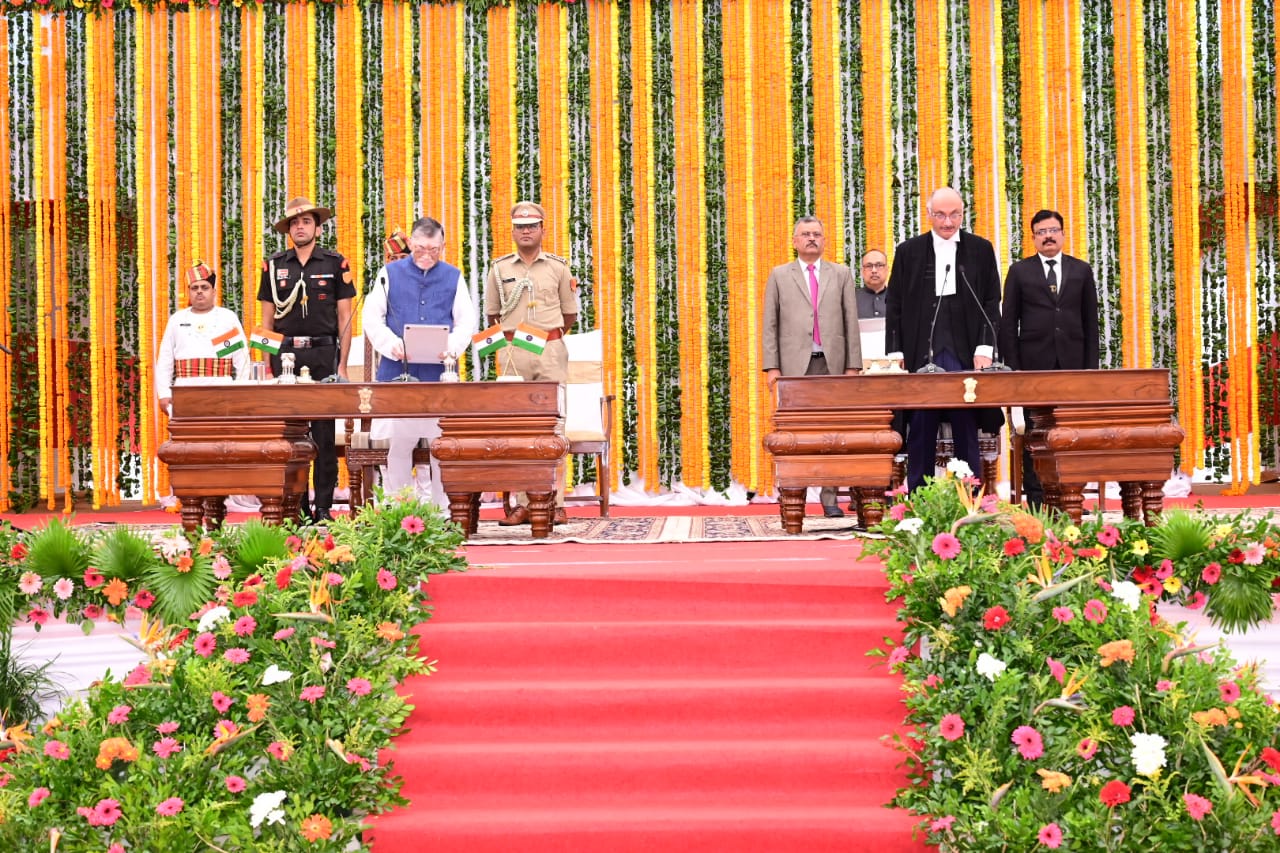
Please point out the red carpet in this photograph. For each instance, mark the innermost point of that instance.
(711, 697)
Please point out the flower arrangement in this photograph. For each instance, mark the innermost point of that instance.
(1049, 706)
(257, 719)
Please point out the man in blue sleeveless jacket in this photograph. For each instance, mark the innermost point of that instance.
(419, 289)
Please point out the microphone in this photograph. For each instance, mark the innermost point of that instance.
(931, 367)
(996, 363)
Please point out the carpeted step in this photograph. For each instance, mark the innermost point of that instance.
(607, 650)
(646, 829)
(751, 771)
(649, 709)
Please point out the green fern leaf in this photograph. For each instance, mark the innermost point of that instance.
(124, 554)
(1180, 535)
(254, 545)
(179, 594)
(58, 552)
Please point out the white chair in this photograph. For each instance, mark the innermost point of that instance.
(589, 412)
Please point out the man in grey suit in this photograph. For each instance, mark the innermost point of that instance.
(811, 320)
(1049, 320)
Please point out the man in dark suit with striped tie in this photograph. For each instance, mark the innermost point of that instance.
(1049, 318)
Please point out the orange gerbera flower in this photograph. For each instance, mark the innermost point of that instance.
(1053, 781)
(115, 749)
(184, 563)
(953, 599)
(316, 828)
(1210, 718)
(206, 547)
(1029, 527)
(116, 591)
(1116, 650)
(258, 704)
(390, 631)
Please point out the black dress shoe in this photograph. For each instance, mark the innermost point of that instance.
(833, 511)
(322, 515)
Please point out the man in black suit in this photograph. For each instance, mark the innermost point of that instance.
(1049, 320)
(943, 305)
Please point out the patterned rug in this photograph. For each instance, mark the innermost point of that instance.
(680, 528)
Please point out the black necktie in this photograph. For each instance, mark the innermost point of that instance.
(1052, 279)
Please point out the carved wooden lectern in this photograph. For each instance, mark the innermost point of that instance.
(252, 439)
(1113, 425)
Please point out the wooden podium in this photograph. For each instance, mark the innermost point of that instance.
(252, 439)
(1091, 425)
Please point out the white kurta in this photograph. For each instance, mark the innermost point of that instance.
(190, 335)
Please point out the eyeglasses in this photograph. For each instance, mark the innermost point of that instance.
(871, 265)
(1045, 232)
(427, 250)
(954, 216)
(527, 226)
(200, 285)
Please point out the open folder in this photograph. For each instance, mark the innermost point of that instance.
(424, 344)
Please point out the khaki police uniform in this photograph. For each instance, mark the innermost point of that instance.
(538, 294)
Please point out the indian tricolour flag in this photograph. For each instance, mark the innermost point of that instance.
(266, 341)
(489, 340)
(227, 343)
(529, 338)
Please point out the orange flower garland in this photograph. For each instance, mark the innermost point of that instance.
(645, 298)
(348, 95)
(990, 210)
(876, 157)
(739, 221)
(502, 116)
(300, 91)
(1185, 186)
(691, 270)
(1131, 153)
(553, 123)
(1034, 110)
(6, 263)
(828, 141)
(606, 232)
(251, 183)
(1241, 232)
(932, 99)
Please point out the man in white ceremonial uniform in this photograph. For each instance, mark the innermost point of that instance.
(418, 289)
(203, 343)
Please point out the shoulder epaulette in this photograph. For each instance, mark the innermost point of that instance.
(505, 257)
(555, 258)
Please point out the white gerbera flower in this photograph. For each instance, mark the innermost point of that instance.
(959, 467)
(910, 525)
(274, 675)
(213, 618)
(990, 666)
(1127, 593)
(1147, 753)
(173, 545)
(267, 807)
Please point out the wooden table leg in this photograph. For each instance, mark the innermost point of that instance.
(1131, 499)
(541, 507)
(473, 518)
(192, 513)
(1071, 497)
(870, 506)
(355, 481)
(215, 512)
(791, 505)
(1152, 503)
(460, 510)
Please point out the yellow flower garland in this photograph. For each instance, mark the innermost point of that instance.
(502, 116)
(828, 141)
(644, 228)
(251, 182)
(553, 123)
(348, 95)
(1131, 148)
(6, 263)
(990, 212)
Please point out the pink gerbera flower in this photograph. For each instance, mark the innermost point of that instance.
(1095, 611)
(1254, 554)
(1050, 836)
(995, 618)
(386, 580)
(245, 626)
(38, 796)
(63, 588)
(1108, 536)
(1086, 748)
(119, 714)
(359, 686)
(57, 749)
(236, 655)
(1030, 745)
(1063, 614)
(170, 807)
(311, 694)
(166, 747)
(946, 546)
(221, 701)
(1013, 547)
(283, 634)
(1229, 691)
(942, 824)
(412, 524)
(167, 728)
(205, 644)
(897, 512)
(1056, 669)
(951, 727)
(235, 784)
(1122, 716)
(1197, 806)
(1164, 685)
(1212, 573)
(1195, 600)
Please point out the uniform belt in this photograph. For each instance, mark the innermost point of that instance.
(817, 354)
(309, 342)
(552, 334)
